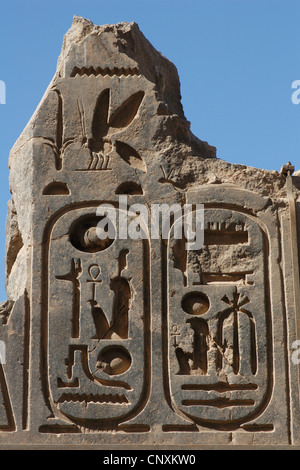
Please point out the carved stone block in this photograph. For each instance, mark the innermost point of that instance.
(137, 339)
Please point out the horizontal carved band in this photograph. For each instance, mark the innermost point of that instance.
(106, 71)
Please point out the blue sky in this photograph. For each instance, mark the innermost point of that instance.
(236, 60)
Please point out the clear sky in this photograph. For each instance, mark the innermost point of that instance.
(236, 60)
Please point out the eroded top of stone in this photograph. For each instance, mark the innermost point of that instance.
(117, 49)
(99, 321)
(121, 50)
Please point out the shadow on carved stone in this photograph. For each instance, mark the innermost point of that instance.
(129, 187)
(56, 188)
(114, 360)
(84, 234)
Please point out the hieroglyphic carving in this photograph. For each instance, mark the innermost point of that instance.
(92, 358)
(232, 313)
(218, 362)
(92, 289)
(72, 276)
(60, 143)
(103, 126)
(104, 71)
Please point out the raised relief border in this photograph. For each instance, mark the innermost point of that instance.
(220, 370)
(96, 372)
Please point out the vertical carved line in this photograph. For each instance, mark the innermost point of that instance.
(59, 131)
(165, 320)
(82, 121)
(147, 324)
(26, 362)
(236, 352)
(76, 309)
(286, 336)
(220, 340)
(294, 252)
(10, 426)
(253, 353)
(295, 257)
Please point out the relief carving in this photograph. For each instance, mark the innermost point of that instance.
(100, 309)
(217, 359)
(104, 125)
(139, 340)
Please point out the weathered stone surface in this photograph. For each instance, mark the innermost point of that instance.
(140, 342)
